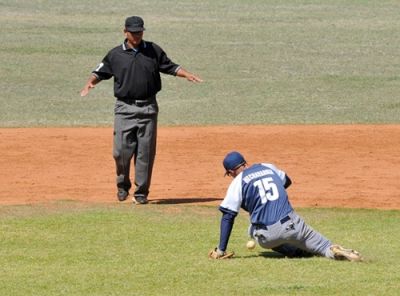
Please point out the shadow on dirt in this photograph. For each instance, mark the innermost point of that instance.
(184, 200)
(272, 255)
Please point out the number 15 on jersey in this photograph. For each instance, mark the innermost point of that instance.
(267, 189)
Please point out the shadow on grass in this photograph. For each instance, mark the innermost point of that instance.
(274, 255)
(266, 254)
(183, 200)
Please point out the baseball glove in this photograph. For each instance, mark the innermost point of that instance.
(218, 254)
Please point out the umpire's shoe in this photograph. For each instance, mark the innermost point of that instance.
(122, 194)
(141, 200)
(341, 253)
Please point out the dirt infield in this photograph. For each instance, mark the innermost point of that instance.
(331, 166)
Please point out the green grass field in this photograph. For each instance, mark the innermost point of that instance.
(67, 248)
(263, 62)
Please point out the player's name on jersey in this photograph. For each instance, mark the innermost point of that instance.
(258, 174)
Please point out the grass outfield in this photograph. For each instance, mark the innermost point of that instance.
(263, 61)
(68, 248)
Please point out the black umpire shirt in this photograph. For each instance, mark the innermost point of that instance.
(136, 72)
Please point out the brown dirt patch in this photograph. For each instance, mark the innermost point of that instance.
(331, 166)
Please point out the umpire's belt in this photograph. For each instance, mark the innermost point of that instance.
(263, 226)
(139, 102)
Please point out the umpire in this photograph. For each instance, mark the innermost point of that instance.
(135, 65)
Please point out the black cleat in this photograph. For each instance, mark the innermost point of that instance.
(122, 194)
(141, 200)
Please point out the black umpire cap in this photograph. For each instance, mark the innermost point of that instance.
(134, 24)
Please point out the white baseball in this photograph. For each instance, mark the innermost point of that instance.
(251, 244)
